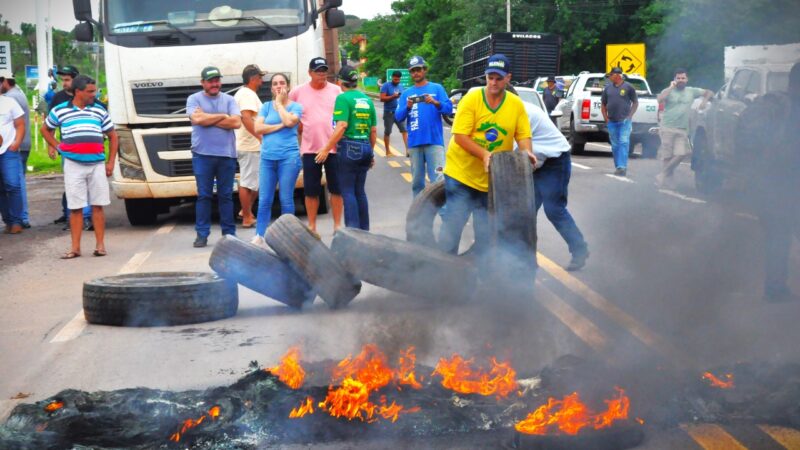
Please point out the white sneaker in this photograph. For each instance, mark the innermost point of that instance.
(259, 241)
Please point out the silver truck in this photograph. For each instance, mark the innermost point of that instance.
(580, 119)
(713, 129)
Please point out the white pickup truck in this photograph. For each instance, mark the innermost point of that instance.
(580, 119)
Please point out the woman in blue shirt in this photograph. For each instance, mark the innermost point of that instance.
(280, 153)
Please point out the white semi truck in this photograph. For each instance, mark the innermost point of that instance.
(154, 53)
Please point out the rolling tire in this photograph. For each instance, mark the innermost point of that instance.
(159, 299)
(576, 141)
(141, 211)
(405, 267)
(309, 257)
(512, 209)
(423, 211)
(261, 270)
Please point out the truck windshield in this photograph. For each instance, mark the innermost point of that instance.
(597, 84)
(144, 16)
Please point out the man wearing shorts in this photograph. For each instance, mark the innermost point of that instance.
(248, 142)
(84, 125)
(390, 92)
(316, 128)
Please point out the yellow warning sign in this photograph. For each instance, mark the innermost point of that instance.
(628, 57)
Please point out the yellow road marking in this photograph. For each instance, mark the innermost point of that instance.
(379, 150)
(389, 149)
(166, 228)
(394, 164)
(406, 176)
(580, 325)
(408, 163)
(611, 310)
(134, 263)
(713, 437)
(787, 437)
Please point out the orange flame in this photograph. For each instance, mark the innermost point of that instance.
(188, 424)
(570, 415)
(458, 375)
(289, 371)
(718, 383)
(350, 400)
(370, 367)
(53, 406)
(302, 410)
(405, 375)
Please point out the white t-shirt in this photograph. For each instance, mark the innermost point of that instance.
(247, 100)
(547, 140)
(9, 110)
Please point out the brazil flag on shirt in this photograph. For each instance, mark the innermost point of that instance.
(355, 108)
(493, 129)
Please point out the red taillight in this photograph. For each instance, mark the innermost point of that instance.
(586, 109)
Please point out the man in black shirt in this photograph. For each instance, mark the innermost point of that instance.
(549, 97)
(619, 103)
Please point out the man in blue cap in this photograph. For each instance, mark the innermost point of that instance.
(422, 106)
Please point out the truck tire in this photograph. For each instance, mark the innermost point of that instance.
(576, 141)
(707, 178)
(405, 267)
(159, 299)
(512, 208)
(423, 211)
(309, 257)
(141, 211)
(261, 270)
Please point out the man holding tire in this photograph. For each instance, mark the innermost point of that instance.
(488, 120)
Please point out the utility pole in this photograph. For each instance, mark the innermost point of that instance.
(508, 16)
(41, 44)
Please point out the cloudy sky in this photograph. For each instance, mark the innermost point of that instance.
(61, 16)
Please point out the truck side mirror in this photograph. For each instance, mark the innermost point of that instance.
(334, 18)
(557, 113)
(84, 32)
(83, 10)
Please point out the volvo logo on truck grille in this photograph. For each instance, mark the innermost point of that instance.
(148, 84)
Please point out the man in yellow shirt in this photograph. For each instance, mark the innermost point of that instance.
(488, 120)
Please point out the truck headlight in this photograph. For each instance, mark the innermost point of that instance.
(130, 165)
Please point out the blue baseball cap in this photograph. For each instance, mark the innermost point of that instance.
(499, 64)
(416, 61)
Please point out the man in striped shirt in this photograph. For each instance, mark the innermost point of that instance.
(83, 124)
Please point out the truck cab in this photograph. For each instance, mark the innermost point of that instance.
(154, 52)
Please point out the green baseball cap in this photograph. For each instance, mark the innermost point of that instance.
(68, 70)
(210, 72)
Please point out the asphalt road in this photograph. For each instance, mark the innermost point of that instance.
(674, 278)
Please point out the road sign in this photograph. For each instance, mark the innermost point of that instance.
(405, 77)
(628, 57)
(5, 56)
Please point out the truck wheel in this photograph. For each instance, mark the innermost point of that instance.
(141, 211)
(650, 146)
(159, 299)
(512, 208)
(577, 141)
(261, 270)
(309, 257)
(427, 273)
(707, 179)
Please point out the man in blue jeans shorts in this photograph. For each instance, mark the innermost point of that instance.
(422, 105)
(619, 105)
(214, 116)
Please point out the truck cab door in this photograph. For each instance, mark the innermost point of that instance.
(726, 113)
(565, 106)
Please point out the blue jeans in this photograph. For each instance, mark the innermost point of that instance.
(461, 201)
(23, 155)
(619, 133)
(10, 190)
(283, 173)
(551, 182)
(206, 169)
(87, 210)
(355, 159)
(425, 159)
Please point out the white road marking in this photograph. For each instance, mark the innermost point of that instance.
(600, 144)
(581, 166)
(746, 216)
(166, 228)
(682, 197)
(75, 327)
(618, 178)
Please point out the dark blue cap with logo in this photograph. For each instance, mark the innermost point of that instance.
(499, 64)
(416, 61)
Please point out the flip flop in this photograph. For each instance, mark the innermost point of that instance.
(249, 225)
(99, 253)
(70, 255)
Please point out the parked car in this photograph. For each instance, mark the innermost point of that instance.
(580, 118)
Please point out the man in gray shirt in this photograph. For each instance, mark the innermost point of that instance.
(619, 105)
(8, 87)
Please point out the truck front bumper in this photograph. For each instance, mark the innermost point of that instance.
(172, 189)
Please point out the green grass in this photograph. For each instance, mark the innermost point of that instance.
(38, 158)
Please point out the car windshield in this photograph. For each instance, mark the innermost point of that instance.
(143, 16)
(598, 83)
(529, 96)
